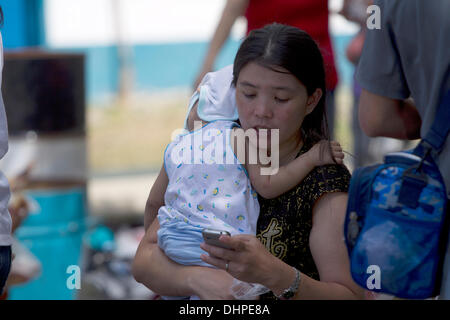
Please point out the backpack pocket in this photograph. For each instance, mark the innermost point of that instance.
(401, 248)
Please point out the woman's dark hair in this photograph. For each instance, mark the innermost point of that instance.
(278, 45)
(1, 17)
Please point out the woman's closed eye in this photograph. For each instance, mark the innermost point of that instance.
(277, 99)
(249, 95)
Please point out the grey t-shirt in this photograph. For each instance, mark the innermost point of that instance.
(410, 56)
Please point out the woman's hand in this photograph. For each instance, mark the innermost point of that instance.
(248, 260)
(211, 284)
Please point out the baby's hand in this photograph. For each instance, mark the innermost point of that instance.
(321, 154)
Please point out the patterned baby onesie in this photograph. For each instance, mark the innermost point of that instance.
(208, 188)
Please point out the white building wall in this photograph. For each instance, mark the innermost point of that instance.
(72, 23)
(92, 22)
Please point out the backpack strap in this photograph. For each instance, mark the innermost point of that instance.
(413, 179)
(437, 135)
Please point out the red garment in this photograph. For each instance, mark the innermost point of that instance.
(308, 15)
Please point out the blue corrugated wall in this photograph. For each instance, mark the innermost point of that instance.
(24, 23)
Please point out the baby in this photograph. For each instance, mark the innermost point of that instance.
(208, 186)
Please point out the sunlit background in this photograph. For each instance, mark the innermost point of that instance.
(127, 68)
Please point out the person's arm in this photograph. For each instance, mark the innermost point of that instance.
(251, 262)
(156, 271)
(386, 117)
(329, 252)
(286, 177)
(233, 9)
(384, 108)
(155, 199)
(355, 11)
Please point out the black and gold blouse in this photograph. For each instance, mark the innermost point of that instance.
(284, 223)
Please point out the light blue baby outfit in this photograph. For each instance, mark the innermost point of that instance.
(208, 188)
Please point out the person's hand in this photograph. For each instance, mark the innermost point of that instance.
(320, 154)
(248, 260)
(18, 209)
(211, 284)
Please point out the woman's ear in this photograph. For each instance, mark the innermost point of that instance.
(313, 100)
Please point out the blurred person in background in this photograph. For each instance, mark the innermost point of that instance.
(409, 57)
(355, 11)
(308, 15)
(29, 267)
(5, 218)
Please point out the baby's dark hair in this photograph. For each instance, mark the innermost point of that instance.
(278, 45)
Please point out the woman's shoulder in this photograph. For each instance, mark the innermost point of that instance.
(329, 172)
(324, 179)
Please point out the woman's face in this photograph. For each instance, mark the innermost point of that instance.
(267, 99)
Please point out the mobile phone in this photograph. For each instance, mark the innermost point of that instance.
(211, 237)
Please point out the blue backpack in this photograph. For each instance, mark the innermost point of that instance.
(396, 225)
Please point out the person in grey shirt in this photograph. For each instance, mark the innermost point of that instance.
(404, 71)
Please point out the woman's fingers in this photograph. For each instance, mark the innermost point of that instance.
(220, 256)
(218, 252)
(214, 261)
(236, 242)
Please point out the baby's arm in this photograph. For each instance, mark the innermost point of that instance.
(290, 175)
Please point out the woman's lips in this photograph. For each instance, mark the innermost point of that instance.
(261, 127)
(263, 130)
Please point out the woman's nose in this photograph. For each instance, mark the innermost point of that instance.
(263, 109)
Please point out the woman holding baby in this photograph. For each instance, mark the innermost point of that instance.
(298, 251)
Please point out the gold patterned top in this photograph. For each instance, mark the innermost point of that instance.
(285, 223)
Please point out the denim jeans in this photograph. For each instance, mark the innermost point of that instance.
(5, 265)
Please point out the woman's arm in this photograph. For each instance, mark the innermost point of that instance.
(286, 177)
(149, 259)
(251, 262)
(155, 199)
(329, 252)
(156, 271)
